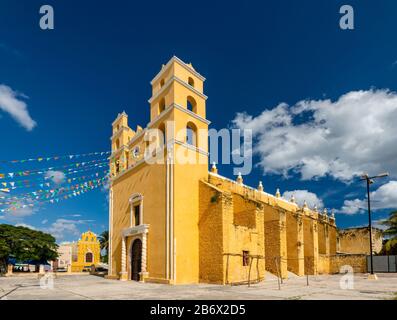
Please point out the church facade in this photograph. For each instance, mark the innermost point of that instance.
(177, 222)
(81, 255)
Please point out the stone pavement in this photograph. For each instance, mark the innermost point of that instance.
(74, 287)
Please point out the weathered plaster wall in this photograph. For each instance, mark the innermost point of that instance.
(356, 240)
(211, 234)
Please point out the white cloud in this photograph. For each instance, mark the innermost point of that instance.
(318, 138)
(17, 108)
(44, 221)
(56, 176)
(304, 195)
(16, 212)
(385, 197)
(26, 226)
(62, 228)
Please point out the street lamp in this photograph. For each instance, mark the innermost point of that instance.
(369, 181)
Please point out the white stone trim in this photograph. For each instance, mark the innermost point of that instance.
(176, 79)
(142, 228)
(123, 259)
(135, 198)
(191, 147)
(251, 188)
(138, 232)
(180, 62)
(191, 113)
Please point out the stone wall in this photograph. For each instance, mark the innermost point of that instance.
(356, 240)
(211, 206)
(331, 264)
(244, 232)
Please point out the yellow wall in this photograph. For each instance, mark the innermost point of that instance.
(148, 180)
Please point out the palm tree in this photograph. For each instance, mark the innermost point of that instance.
(104, 242)
(391, 223)
(390, 246)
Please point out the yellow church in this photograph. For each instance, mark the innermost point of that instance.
(86, 252)
(180, 222)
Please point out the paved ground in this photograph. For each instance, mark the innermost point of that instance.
(93, 287)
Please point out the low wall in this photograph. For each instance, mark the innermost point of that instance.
(332, 263)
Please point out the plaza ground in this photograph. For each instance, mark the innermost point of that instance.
(72, 287)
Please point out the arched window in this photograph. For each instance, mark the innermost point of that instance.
(162, 135)
(161, 83)
(161, 105)
(88, 257)
(190, 81)
(191, 104)
(191, 134)
(117, 143)
(117, 166)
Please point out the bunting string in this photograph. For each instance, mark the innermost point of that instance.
(44, 181)
(69, 156)
(15, 205)
(46, 193)
(91, 163)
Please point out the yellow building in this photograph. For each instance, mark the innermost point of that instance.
(86, 252)
(173, 221)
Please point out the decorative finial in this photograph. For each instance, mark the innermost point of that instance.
(278, 194)
(304, 204)
(325, 212)
(260, 186)
(214, 169)
(315, 209)
(333, 214)
(292, 199)
(239, 178)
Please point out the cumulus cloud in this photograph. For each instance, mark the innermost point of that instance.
(62, 228)
(55, 176)
(318, 138)
(304, 195)
(11, 103)
(385, 197)
(19, 210)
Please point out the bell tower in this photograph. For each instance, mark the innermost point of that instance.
(122, 134)
(178, 104)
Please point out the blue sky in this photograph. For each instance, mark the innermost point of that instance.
(100, 58)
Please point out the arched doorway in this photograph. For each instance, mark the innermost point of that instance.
(88, 257)
(136, 256)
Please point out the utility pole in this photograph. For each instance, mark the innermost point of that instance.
(369, 181)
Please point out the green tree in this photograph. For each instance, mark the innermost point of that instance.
(23, 244)
(390, 245)
(104, 242)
